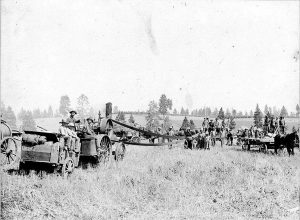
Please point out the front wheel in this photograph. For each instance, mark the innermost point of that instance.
(68, 167)
(10, 154)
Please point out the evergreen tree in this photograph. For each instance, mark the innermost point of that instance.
(192, 124)
(185, 123)
(283, 112)
(83, 106)
(64, 106)
(175, 111)
(275, 112)
(232, 123)
(50, 112)
(258, 117)
(131, 119)
(92, 112)
(208, 111)
(251, 113)
(152, 119)
(221, 114)
(187, 112)
(270, 110)
(167, 123)
(164, 104)
(215, 113)
(266, 110)
(182, 111)
(233, 113)
(44, 114)
(28, 122)
(36, 113)
(297, 110)
(116, 109)
(227, 114)
(21, 114)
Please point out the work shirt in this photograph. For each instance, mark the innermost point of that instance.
(66, 132)
(72, 120)
(89, 129)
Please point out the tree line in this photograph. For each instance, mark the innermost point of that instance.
(157, 113)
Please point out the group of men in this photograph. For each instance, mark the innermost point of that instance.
(217, 125)
(272, 125)
(69, 139)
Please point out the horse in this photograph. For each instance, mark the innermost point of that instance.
(289, 141)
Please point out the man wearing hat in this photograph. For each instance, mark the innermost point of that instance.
(282, 125)
(89, 128)
(72, 118)
(65, 139)
(75, 140)
(89, 131)
(170, 133)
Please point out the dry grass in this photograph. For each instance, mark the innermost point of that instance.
(157, 183)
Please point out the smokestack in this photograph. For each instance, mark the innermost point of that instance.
(108, 110)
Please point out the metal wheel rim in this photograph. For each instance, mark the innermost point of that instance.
(68, 167)
(9, 151)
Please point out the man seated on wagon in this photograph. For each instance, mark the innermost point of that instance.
(72, 119)
(75, 140)
(64, 139)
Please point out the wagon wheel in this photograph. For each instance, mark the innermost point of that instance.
(104, 150)
(67, 167)
(10, 154)
(120, 151)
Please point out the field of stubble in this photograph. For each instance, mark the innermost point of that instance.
(158, 183)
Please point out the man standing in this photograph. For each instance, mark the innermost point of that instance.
(170, 133)
(282, 125)
(217, 125)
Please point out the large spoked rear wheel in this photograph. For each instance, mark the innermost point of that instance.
(68, 167)
(10, 154)
(104, 151)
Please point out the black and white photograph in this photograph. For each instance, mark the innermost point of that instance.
(149, 109)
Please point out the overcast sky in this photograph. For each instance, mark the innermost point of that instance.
(230, 54)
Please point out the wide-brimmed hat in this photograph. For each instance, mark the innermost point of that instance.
(73, 111)
(90, 119)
